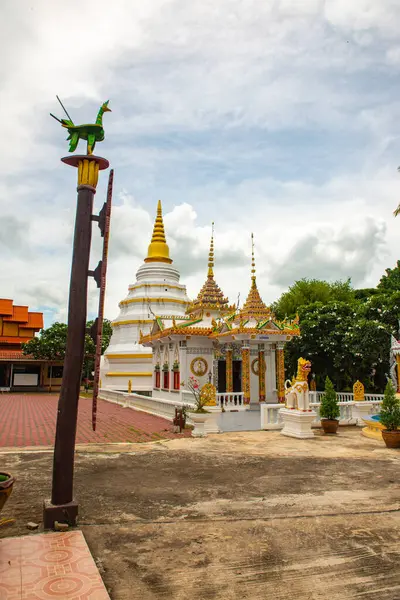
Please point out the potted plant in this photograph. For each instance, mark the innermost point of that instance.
(329, 410)
(6, 485)
(198, 414)
(390, 417)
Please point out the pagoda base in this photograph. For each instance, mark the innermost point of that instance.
(297, 423)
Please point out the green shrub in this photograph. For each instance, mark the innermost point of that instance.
(329, 408)
(390, 409)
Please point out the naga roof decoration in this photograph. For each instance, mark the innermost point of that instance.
(210, 295)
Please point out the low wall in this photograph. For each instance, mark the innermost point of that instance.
(161, 407)
(351, 413)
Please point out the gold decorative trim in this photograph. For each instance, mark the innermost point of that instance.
(132, 322)
(198, 370)
(88, 172)
(246, 375)
(172, 287)
(129, 374)
(143, 300)
(129, 355)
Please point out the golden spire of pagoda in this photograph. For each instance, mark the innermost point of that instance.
(254, 307)
(211, 254)
(253, 262)
(210, 295)
(158, 249)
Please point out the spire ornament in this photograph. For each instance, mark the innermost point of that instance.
(211, 254)
(254, 307)
(158, 249)
(210, 295)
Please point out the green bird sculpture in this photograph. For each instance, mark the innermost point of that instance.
(92, 133)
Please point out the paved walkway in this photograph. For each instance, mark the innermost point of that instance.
(52, 565)
(30, 420)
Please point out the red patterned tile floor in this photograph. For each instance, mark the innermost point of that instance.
(29, 420)
(48, 566)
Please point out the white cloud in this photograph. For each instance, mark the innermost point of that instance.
(275, 118)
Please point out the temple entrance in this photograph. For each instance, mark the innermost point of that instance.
(4, 376)
(236, 376)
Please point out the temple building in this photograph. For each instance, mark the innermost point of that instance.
(19, 372)
(155, 293)
(239, 351)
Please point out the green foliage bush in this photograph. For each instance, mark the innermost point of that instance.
(329, 407)
(390, 409)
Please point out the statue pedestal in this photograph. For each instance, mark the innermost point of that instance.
(360, 411)
(297, 423)
(210, 425)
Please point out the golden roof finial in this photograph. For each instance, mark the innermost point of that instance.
(158, 249)
(211, 254)
(254, 306)
(210, 295)
(253, 262)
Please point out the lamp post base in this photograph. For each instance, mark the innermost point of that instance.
(63, 513)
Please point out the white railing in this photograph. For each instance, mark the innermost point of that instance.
(351, 413)
(230, 399)
(346, 413)
(271, 418)
(160, 407)
(315, 397)
(373, 397)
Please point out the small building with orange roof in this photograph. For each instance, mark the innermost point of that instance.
(19, 372)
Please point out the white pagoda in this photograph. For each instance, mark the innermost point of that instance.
(155, 293)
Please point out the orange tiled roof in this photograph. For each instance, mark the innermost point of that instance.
(35, 321)
(11, 354)
(20, 314)
(6, 307)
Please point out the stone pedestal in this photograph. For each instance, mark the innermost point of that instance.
(297, 423)
(198, 420)
(211, 422)
(360, 411)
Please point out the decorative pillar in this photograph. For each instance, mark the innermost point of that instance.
(62, 506)
(215, 356)
(246, 373)
(229, 369)
(398, 372)
(280, 371)
(261, 373)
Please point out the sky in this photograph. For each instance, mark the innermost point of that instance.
(278, 118)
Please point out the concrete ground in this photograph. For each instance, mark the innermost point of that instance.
(233, 516)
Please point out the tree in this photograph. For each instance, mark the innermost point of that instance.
(391, 281)
(390, 409)
(341, 344)
(329, 407)
(51, 344)
(307, 291)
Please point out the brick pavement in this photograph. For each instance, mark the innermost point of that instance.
(29, 420)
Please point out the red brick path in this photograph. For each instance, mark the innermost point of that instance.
(29, 420)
